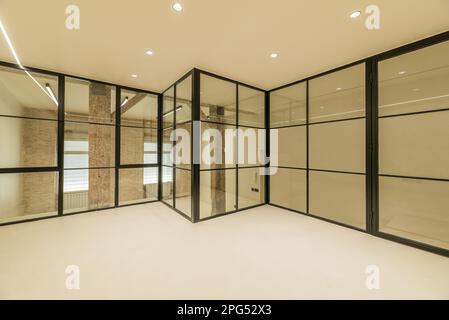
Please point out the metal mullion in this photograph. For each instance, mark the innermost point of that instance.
(267, 147)
(32, 118)
(118, 114)
(307, 149)
(413, 177)
(60, 139)
(174, 147)
(236, 205)
(374, 144)
(195, 187)
(159, 145)
(29, 169)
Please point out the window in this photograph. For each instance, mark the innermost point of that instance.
(76, 155)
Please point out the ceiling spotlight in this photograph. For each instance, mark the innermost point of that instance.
(125, 101)
(338, 89)
(274, 55)
(177, 7)
(149, 52)
(355, 14)
(134, 75)
(416, 89)
(401, 72)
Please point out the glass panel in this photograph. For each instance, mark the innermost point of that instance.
(251, 107)
(183, 191)
(415, 145)
(183, 145)
(416, 81)
(28, 195)
(138, 109)
(214, 151)
(292, 147)
(100, 140)
(138, 185)
(28, 143)
(167, 185)
(338, 197)
(218, 98)
(288, 189)
(288, 106)
(251, 187)
(338, 146)
(250, 146)
(184, 100)
(415, 210)
(167, 147)
(167, 108)
(217, 192)
(338, 95)
(26, 95)
(89, 189)
(138, 146)
(88, 101)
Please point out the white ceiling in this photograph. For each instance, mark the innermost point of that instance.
(233, 38)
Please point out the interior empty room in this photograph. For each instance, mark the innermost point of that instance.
(224, 149)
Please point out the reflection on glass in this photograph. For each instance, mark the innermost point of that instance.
(251, 187)
(292, 147)
(184, 100)
(251, 107)
(416, 81)
(217, 192)
(27, 143)
(338, 197)
(138, 185)
(183, 191)
(183, 145)
(415, 209)
(167, 185)
(415, 145)
(167, 147)
(338, 95)
(28, 195)
(218, 99)
(138, 109)
(288, 189)
(168, 113)
(98, 140)
(288, 106)
(89, 101)
(88, 189)
(338, 146)
(218, 151)
(21, 96)
(138, 145)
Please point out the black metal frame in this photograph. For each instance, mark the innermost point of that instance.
(59, 168)
(372, 143)
(371, 120)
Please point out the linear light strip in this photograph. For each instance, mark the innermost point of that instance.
(13, 51)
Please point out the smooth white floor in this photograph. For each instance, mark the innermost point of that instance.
(150, 252)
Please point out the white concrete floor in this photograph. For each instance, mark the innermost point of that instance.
(150, 252)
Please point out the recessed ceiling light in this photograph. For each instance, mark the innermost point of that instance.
(134, 75)
(177, 7)
(274, 55)
(338, 89)
(322, 107)
(149, 52)
(402, 72)
(355, 14)
(416, 89)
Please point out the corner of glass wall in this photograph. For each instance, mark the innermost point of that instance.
(28, 140)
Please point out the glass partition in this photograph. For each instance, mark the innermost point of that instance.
(28, 145)
(413, 145)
